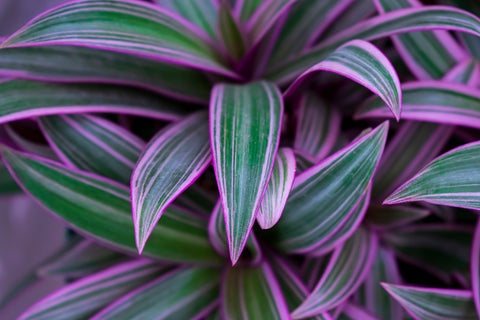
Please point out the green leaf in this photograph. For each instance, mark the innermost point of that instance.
(184, 293)
(244, 9)
(101, 209)
(312, 215)
(434, 304)
(7, 184)
(389, 217)
(240, 114)
(171, 162)
(453, 179)
(146, 30)
(230, 33)
(29, 144)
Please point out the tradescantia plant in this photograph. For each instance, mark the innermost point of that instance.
(229, 159)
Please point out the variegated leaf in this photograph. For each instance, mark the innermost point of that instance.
(171, 162)
(389, 217)
(230, 32)
(245, 125)
(34, 147)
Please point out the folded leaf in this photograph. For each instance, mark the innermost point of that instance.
(434, 304)
(312, 215)
(100, 209)
(252, 293)
(84, 297)
(93, 144)
(146, 30)
(171, 162)
(186, 293)
(278, 189)
(365, 64)
(25, 99)
(346, 270)
(453, 179)
(240, 114)
(432, 101)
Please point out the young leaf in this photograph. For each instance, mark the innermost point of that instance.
(252, 293)
(63, 63)
(93, 144)
(240, 114)
(25, 99)
(84, 297)
(317, 126)
(185, 293)
(432, 101)
(278, 189)
(312, 215)
(346, 270)
(171, 162)
(475, 268)
(146, 30)
(101, 209)
(434, 304)
(365, 64)
(453, 179)
(388, 24)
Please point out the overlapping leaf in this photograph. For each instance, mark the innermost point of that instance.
(434, 304)
(363, 63)
(101, 209)
(231, 33)
(327, 194)
(452, 179)
(171, 161)
(27, 144)
(389, 217)
(240, 114)
(185, 293)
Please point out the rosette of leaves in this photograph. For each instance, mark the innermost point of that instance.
(229, 159)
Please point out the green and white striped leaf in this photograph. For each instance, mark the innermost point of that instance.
(312, 270)
(146, 30)
(93, 144)
(279, 186)
(240, 114)
(185, 293)
(466, 72)
(25, 99)
(81, 299)
(440, 249)
(100, 209)
(311, 215)
(171, 162)
(346, 270)
(434, 304)
(252, 293)
(453, 179)
(67, 63)
(317, 127)
(365, 64)
(27, 144)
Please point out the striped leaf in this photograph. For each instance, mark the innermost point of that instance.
(230, 32)
(244, 9)
(355, 312)
(317, 126)
(146, 30)
(312, 270)
(203, 13)
(372, 295)
(434, 304)
(466, 72)
(25, 99)
(171, 162)
(84, 258)
(101, 209)
(27, 144)
(240, 114)
(475, 268)
(388, 24)
(64, 63)
(292, 287)
(83, 298)
(390, 217)
(346, 270)
(93, 144)
(312, 215)
(453, 179)
(429, 54)
(437, 248)
(365, 64)
(432, 101)
(197, 199)
(252, 293)
(186, 293)
(278, 189)
(7, 184)
(218, 237)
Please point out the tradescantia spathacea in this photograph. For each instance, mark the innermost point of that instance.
(251, 159)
